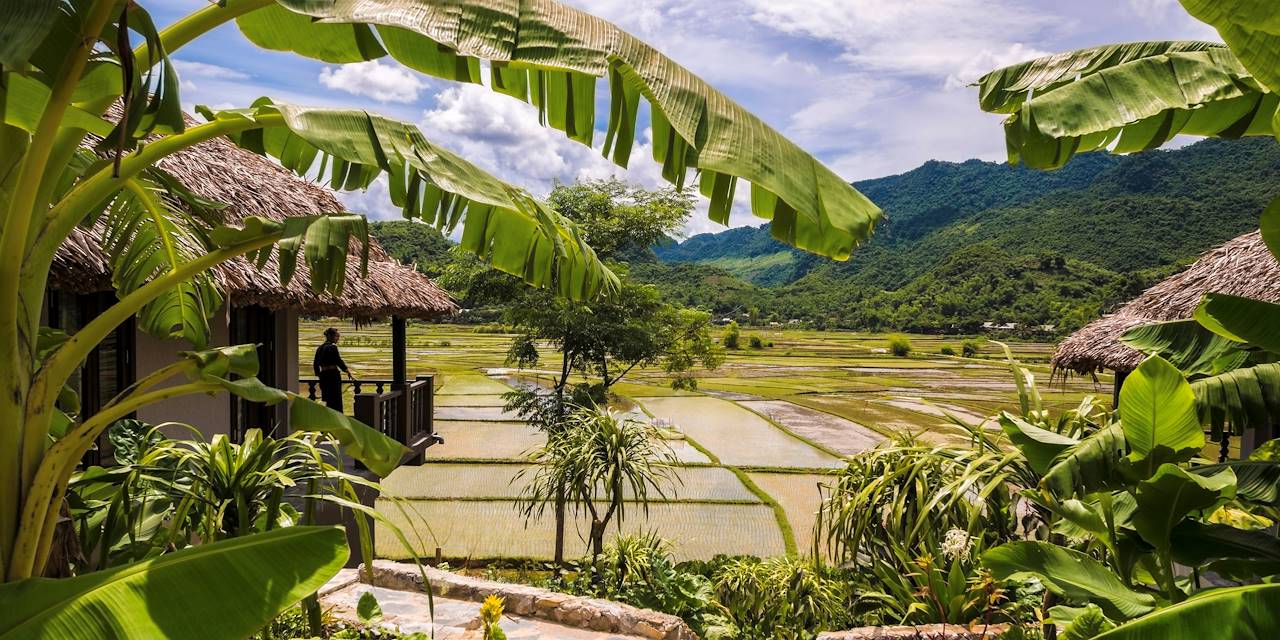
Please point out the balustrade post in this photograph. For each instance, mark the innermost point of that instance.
(399, 349)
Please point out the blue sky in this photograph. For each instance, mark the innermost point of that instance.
(871, 87)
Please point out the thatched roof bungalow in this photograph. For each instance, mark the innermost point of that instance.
(1243, 267)
(258, 310)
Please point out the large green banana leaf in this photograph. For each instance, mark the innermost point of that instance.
(1041, 447)
(1158, 414)
(1242, 320)
(1239, 613)
(1251, 28)
(1257, 481)
(1188, 346)
(501, 223)
(1173, 494)
(25, 24)
(1093, 464)
(1246, 398)
(223, 590)
(1126, 97)
(551, 55)
(1069, 573)
(1195, 544)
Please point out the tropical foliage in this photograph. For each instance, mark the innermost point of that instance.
(91, 105)
(1133, 491)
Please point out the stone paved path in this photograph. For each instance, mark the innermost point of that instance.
(454, 619)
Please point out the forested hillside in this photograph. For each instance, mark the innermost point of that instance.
(1077, 241)
(971, 242)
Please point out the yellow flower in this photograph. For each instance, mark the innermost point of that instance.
(491, 609)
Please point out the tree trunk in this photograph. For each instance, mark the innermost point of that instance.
(559, 556)
(597, 539)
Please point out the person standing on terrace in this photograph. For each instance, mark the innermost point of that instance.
(329, 367)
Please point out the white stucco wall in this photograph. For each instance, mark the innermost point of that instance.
(210, 414)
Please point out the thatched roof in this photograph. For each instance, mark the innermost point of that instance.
(251, 185)
(1241, 267)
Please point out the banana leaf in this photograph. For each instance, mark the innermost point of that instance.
(1188, 346)
(500, 223)
(1252, 30)
(1158, 415)
(1171, 495)
(1243, 399)
(1126, 98)
(1094, 464)
(227, 589)
(1071, 574)
(1239, 613)
(1241, 320)
(1257, 481)
(551, 55)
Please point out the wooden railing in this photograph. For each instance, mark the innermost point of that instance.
(402, 412)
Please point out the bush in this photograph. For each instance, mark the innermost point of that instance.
(756, 342)
(638, 569)
(732, 337)
(947, 351)
(899, 345)
(970, 349)
(783, 598)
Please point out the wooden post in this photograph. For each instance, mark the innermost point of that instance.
(399, 345)
(1115, 395)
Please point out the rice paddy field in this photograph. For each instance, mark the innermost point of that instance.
(754, 442)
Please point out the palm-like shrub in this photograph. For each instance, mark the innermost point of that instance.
(600, 460)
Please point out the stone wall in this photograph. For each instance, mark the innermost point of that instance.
(922, 632)
(574, 611)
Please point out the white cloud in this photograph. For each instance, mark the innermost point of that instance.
(384, 82)
(934, 38)
(987, 60)
(206, 70)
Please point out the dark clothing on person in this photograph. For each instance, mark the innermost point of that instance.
(329, 367)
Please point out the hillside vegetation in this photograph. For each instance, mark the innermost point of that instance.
(969, 243)
(974, 242)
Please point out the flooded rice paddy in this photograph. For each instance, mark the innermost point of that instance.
(755, 441)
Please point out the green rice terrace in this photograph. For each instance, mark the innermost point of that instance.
(753, 443)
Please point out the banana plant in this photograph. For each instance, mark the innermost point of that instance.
(89, 107)
(244, 583)
(1137, 501)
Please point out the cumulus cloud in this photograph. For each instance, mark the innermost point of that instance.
(206, 70)
(936, 38)
(384, 82)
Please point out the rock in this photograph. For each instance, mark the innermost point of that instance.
(522, 600)
(921, 632)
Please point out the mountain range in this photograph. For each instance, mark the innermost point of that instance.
(974, 242)
(969, 243)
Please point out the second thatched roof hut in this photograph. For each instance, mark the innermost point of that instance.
(1242, 267)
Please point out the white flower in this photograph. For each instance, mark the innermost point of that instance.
(955, 544)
